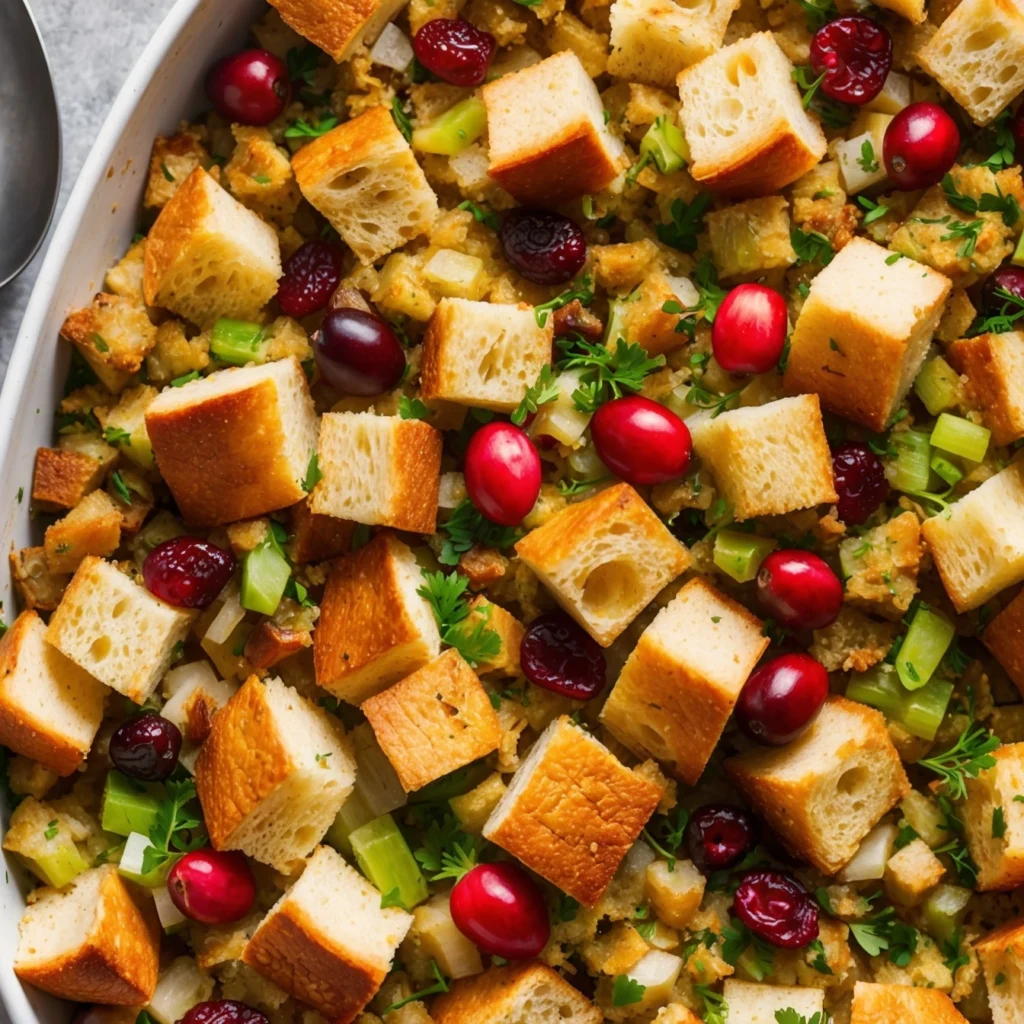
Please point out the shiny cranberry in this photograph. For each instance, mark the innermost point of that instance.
(502, 473)
(641, 441)
(454, 50)
(920, 145)
(749, 332)
(855, 56)
(187, 572)
(146, 747)
(799, 590)
(212, 886)
(719, 835)
(500, 908)
(777, 908)
(1005, 279)
(250, 87)
(781, 699)
(311, 274)
(859, 480)
(543, 246)
(223, 1011)
(558, 655)
(358, 353)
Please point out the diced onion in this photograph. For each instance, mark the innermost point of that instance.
(868, 863)
(170, 916)
(684, 290)
(195, 673)
(180, 987)
(452, 491)
(229, 616)
(392, 48)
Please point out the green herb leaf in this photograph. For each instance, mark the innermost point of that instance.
(413, 408)
(120, 487)
(819, 961)
(440, 985)
(867, 159)
(481, 214)
(446, 597)
(313, 475)
(116, 436)
(544, 390)
(466, 527)
(166, 171)
(99, 343)
(626, 991)
(301, 129)
(998, 823)
(687, 221)
(51, 829)
(176, 828)
(581, 289)
(302, 63)
(447, 851)
(392, 899)
(811, 247)
(607, 373)
(716, 1009)
(966, 759)
(818, 12)
(182, 381)
(567, 908)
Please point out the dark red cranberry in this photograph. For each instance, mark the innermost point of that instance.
(502, 471)
(749, 332)
(855, 55)
(212, 886)
(920, 145)
(559, 656)
(859, 480)
(358, 353)
(187, 572)
(543, 246)
(641, 441)
(777, 908)
(719, 835)
(501, 909)
(250, 87)
(1005, 279)
(781, 699)
(146, 747)
(799, 590)
(223, 1011)
(454, 50)
(311, 274)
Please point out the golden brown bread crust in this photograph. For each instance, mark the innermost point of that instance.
(350, 143)
(987, 384)
(62, 478)
(416, 458)
(315, 538)
(169, 236)
(331, 24)
(1004, 637)
(269, 643)
(1008, 938)
(890, 1004)
(83, 327)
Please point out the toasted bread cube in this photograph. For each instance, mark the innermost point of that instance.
(125, 425)
(751, 237)
(548, 140)
(572, 811)
(1004, 637)
(979, 549)
(676, 894)
(337, 26)
(125, 277)
(677, 690)
(61, 479)
(434, 931)
(378, 470)
(173, 159)
(911, 872)
(882, 565)
(362, 176)
(994, 820)
(90, 942)
(887, 1004)
(374, 627)
(768, 459)
(825, 791)
(862, 357)
(744, 121)
(645, 321)
(92, 527)
(207, 256)
(116, 630)
(758, 1004)
(316, 538)
(509, 629)
(483, 354)
(36, 587)
(203, 433)
(327, 942)
(994, 364)
(259, 174)
(273, 774)
(1001, 953)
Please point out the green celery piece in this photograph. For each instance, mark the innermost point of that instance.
(740, 555)
(912, 460)
(454, 130)
(666, 146)
(128, 806)
(265, 574)
(924, 709)
(1017, 259)
(879, 688)
(946, 471)
(616, 326)
(61, 866)
(384, 857)
(961, 437)
(926, 643)
(354, 814)
(237, 342)
(937, 385)
(945, 910)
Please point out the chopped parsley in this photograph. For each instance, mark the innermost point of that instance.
(413, 408)
(607, 373)
(626, 991)
(481, 214)
(665, 835)
(738, 940)
(302, 129)
(811, 247)
(116, 436)
(583, 290)
(966, 759)
(302, 63)
(176, 829)
(467, 527)
(998, 823)
(51, 829)
(120, 487)
(687, 220)
(716, 1010)
(313, 475)
(867, 159)
(544, 390)
(440, 985)
(447, 600)
(875, 211)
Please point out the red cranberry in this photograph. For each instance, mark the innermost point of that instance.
(859, 480)
(641, 441)
(187, 572)
(500, 908)
(799, 590)
(719, 835)
(781, 699)
(311, 274)
(250, 87)
(454, 50)
(212, 886)
(1007, 279)
(749, 332)
(502, 473)
(358, 353)
(920, 145)
(223, 1011)
(543, 246)
(558, 655)
(146, 747)
(777, 908)
(855, 55)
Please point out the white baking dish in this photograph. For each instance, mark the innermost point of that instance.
(94, 231)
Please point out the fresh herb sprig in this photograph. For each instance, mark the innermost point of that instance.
(544, 390)
(440, 985)
(176, 828)
(581, 289)
(446, 596)
(302, 129)
(686, 223)
(665, 834)
(607, 373)
(466, 528)
(966, 759)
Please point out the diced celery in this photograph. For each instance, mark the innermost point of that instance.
(937, 385)
(384, 857)
(740, 555)
(945, 910)
(60, 866)
(921, 712)
(926, 643)
(961, 437)
(454, 130)
(616, 326)
(879, 688)
(924, 709)
(237, 342)
(1017, 259)
(946, 470)
(455, 783)
(128, 806)
(132, 860)
(265, 574)
(912, 460)
(666, 145)
(354, 814)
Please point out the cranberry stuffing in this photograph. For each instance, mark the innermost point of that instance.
(543, 246)
(859, 480)
(146, 747)
(454, 50)
(920, 145)
(719, 835)
(641, 441)
(749, 332)
(187, 572)
(1007, 279)
(250, 87)
(799, 590)
(500, 908)
(502, 473)
(223, 1011)
(212, 886)
(311, 274)
(558, 655)
(854, 54)
(358, 353)
(777, 908)
(781, 699)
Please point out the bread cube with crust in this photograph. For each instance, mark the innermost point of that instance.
(315, 538)
(1001, 953)
(90, 942)
(675, 895)
(1004, 637)
(483, 354)
(338, 26)
(327, 941)
(363, 177)
(644, 318)
(36, 587)
(236, 444)
(751, 237)
(911, 872)
(825, 791)
(259, 174)
(768, 459)
(758, 1004)
(677, 690)
(61, 479)
(548, 140)
(744, 120)
(881, 566)
(572, 811)
(273, 774)
(994, 365)
(861, 358)
(173, 159)
(207, 256)
(887, 1004)
(994, 820)
(604, 559)
(92, 527)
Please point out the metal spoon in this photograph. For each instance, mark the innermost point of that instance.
(30, 145)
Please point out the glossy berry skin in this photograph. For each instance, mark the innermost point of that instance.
(250, 87)
(358, 353)
(798, 589)
(641, 441)
(502, 472)
(920, 145)
(212, 887)
(223, 1011)
(311, 274)
(146, 748)
(749, 332)
(1008, 279)
(777, 908)
(543, 246)
(781, 699)
(500, 908)
(187, 572)
(454, 50)
(556, 654)
(860, 482)
(719, 835)
(855, 55)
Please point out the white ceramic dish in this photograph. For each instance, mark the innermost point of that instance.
(94, 231)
